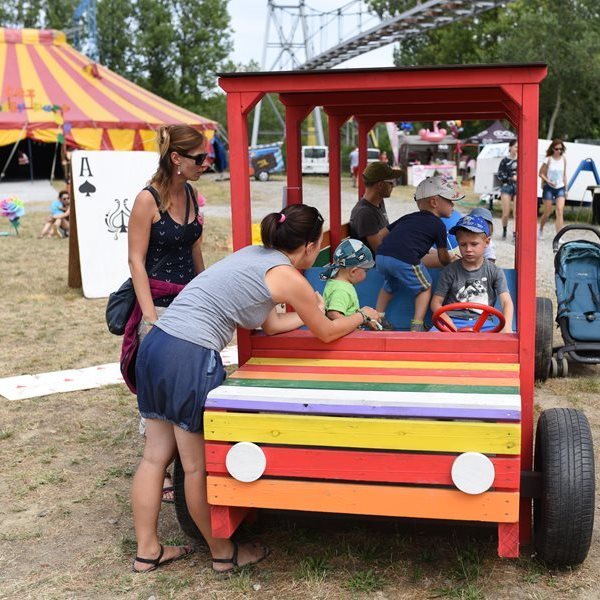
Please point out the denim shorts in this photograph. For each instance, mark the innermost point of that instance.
(550, 193)
(174, 377)
(509, 188)
(398, 274)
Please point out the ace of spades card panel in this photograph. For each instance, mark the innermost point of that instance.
(105, 185)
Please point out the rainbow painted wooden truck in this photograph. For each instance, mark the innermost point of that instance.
(424, 425)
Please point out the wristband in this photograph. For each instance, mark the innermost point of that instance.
(148, 323)
(365, 317)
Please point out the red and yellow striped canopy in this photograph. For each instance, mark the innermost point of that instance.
(50, 92)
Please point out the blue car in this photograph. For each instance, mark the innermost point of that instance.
(266, 159)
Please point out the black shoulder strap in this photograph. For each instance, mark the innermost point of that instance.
(155, 195)
(192, 194)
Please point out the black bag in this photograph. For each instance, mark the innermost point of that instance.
(120, 303)
(119, 308)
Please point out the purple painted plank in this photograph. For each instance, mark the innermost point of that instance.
(442, 412)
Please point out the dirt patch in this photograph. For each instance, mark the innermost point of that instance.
(68, 459)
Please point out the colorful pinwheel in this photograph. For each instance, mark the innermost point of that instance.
(13, 209)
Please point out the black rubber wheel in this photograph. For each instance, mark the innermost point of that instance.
(543, 338)
(181, 510)
(553, 367)
(563, 517)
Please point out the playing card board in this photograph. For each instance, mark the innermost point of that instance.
(105, 185)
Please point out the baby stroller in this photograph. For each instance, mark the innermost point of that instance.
(577, 276)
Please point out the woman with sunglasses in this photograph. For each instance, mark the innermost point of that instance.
(165, 237)
(178, 363)
(553, 173)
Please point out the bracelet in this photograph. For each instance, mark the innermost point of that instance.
(365, 317)
(148, 323)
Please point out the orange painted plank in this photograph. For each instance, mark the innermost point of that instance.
(367, 378)
(365, 499)
(402, 371)
(353, 465)
(376, 355)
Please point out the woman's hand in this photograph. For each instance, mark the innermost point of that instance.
(371, 313)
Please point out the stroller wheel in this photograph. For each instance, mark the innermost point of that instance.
(553, 367)
(563, 367)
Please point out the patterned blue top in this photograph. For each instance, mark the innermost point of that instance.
(167, 236)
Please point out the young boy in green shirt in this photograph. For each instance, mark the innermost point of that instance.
(351, 261)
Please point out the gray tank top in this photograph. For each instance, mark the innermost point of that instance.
(229, 293)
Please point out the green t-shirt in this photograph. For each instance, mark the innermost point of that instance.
(340, 296)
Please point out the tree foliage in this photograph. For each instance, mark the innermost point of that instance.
(561, 33)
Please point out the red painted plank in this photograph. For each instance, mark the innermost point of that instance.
(508, 540)
(382, 371)
(369, 355)
(352, 465)
(481, 345)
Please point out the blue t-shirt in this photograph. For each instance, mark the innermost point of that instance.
(411, 237)
(56, 208)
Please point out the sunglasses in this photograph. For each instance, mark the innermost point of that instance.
(198, 159)
(315, 228)
(559, 148)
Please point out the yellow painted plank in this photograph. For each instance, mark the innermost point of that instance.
(365, 499)
(385, 364)
(354, 432)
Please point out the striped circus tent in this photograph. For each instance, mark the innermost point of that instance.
(49, 92)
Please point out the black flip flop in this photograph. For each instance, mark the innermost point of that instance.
(234, 562)
(156, 562)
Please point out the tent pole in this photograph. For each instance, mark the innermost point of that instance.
(53, 162)
(30, 159)
(12, 153)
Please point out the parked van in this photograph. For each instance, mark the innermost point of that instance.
(315, 160)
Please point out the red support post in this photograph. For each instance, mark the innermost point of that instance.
(224, 520)
(508, 540)
(294, 115)
(526, 279)
(335, 186)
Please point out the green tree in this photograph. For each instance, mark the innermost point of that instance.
(561, 33)
(115, 23)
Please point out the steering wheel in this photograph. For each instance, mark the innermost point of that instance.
(486, 311)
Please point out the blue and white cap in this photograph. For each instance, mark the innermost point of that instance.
(482, 212)
(350, 253)
(471, 223)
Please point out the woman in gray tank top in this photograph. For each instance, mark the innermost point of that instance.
(178, 363)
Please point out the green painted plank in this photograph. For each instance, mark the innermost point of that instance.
(389, 387)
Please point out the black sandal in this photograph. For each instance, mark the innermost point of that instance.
(234, 559)
(168, 489)
(156, 562)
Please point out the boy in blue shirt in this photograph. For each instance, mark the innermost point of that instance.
(409, 240)
(473, 278)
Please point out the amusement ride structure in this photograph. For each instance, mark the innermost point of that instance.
(299, 37)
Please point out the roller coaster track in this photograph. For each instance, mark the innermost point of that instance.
(423, 17)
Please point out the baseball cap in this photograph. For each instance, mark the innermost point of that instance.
(350, 253)
(437, 186)
(482, 212)
(471, 223)
(380, 171)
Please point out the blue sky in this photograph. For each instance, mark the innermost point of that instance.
(249, 18)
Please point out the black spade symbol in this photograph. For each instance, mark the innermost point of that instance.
(87, 188)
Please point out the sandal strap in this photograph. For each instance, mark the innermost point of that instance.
(152, 561)
(233, 560)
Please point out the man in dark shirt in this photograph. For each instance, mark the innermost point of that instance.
(368, 219)
(409, 240)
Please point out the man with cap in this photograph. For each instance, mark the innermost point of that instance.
(351, 261)
(472, 278)
(368, 219)
(399, 257)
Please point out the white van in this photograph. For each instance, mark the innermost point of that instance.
(315, 160)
